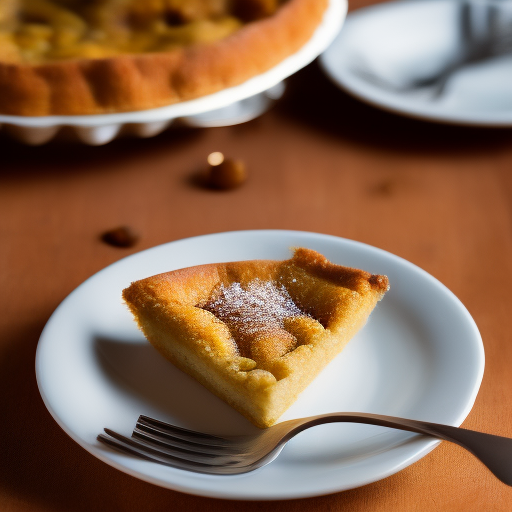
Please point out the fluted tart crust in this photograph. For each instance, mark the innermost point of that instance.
(141, 75)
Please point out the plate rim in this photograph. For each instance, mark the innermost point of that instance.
(426, 445)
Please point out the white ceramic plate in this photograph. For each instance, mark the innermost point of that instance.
(396, 42)
(100, 129)
(419, 356)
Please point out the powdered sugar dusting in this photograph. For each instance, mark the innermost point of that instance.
(259, 308)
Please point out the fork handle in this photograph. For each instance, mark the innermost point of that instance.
(494, 451)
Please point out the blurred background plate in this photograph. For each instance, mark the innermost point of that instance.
(383, 47)
(229, 106)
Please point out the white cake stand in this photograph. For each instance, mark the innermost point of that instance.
(230, 106)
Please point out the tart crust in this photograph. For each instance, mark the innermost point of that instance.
(174, 311)
(151, 80)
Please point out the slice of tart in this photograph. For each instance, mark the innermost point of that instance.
(69, 57)
(255, 333)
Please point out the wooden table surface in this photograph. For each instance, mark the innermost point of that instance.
(439, 196)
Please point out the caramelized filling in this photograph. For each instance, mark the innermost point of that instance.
(36, 31)
(256, 316)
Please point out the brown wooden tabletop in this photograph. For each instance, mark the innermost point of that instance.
(320, 161)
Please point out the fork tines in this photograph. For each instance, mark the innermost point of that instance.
(163, 430)
(177, 447)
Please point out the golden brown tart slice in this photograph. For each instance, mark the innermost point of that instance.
(100, 56)
(255, 333)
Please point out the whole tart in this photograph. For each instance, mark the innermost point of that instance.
(76, 57)
(255, 333)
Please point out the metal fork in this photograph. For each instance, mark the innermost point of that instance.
(230, 455)
(483, 34)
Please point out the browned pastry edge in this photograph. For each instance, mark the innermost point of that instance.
(151, 80)
(318, 265)
(180, 285)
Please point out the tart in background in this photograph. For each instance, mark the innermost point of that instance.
(74, 57)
